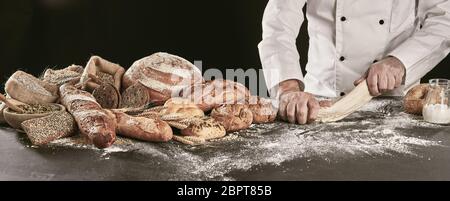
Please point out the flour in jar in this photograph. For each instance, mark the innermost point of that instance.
(437, 113)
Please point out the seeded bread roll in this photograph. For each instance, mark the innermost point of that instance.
(233, 117)
(31, 90)
(212, 94)
(164, 75)
(263, 110)
(43, 130)
(146, 129)
(97, 124)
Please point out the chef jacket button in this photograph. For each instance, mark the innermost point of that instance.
(342, 94)
(381, 22)
(343, 18)
(342, 58)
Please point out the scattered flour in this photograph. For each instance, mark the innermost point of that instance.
(378, 129)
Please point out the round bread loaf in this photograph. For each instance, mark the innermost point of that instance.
(233, 117)
(415, 98)
(163, 74)
(212, 94)
(263, 110)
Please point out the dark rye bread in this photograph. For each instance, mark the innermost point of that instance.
(135, 96)
(107, 96)
(43, 130)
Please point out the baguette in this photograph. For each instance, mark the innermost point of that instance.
(94, 122)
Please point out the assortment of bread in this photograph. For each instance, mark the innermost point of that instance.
(159, 98)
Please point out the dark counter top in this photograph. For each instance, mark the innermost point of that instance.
(379, 142)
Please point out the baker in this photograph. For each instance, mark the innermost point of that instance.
(390, 43)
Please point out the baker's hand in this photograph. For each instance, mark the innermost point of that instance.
(384, 76)
(296, 106)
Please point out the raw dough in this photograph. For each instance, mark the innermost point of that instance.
(347, 105)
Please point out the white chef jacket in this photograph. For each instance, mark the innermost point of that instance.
(347, 36)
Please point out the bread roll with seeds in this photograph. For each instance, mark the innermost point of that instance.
(163, 74)
(233, 117)
(263, 110)
(43, 130)
(97, 124)
(31, 90)
(212, 94)
(150, 130)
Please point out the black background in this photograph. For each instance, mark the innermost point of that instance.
(56, 33)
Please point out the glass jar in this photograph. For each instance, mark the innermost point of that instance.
(436, 107)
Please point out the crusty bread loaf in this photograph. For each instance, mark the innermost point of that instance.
(96, 123)
(213, 94)
(71, 75)
(146, 129)
(233, 117)
(263, 110)
(43, 130)
(29, 89)
(164, 75)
